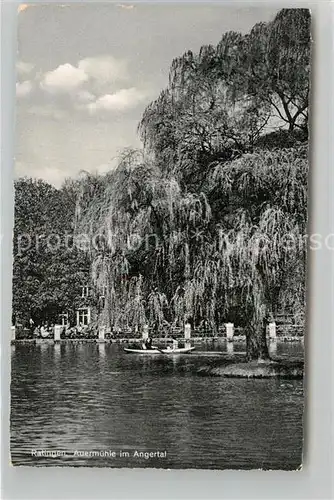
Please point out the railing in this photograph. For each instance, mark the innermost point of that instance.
(283, 331)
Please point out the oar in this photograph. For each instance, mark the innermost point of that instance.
(157, 349)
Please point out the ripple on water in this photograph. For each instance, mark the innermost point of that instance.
(92, 399)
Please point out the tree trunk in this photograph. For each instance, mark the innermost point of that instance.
(256, 342)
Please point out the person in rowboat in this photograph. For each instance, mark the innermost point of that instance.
(175, 343)
(147, 345)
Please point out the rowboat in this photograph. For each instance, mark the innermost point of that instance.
(181, 350)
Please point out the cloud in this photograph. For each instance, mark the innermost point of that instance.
(23, 68)
(104, 69)
(64, 79)
(119, 101)
(98, 71)
(84, 87)
(23, 89)
(90, 76)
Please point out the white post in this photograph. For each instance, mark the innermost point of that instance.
(145, 332)
(13, 332)
(77, 317)
(229, 331)
(272, 331)
(89, 316)
(57, 330)
(230, 348)
(102, 332)
(187, 334)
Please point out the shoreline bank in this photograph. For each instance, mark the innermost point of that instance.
(122, 340)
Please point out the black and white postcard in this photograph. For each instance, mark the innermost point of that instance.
(160, 236)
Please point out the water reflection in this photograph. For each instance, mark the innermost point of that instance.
(56, 352)
(230, 348)
(94, 396)
(101, 347)
(272, 348)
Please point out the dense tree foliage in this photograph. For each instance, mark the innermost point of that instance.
(236, 247)
(219, 101)
(48, 269)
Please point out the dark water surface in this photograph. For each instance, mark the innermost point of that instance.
(74, 398)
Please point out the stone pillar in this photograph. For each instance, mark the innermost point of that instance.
(229, 331)
(13, 329)
(145, 332)
(102, 333)
(187, 335)
(272, 331)
(57, 331)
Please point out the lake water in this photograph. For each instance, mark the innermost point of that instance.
(96, 406)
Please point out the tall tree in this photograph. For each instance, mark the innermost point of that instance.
(48, 269)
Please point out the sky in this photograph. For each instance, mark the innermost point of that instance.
(86, 72)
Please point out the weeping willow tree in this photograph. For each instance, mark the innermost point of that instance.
(263, 255)
(206, 221)
(164, 257)
(143, 230)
